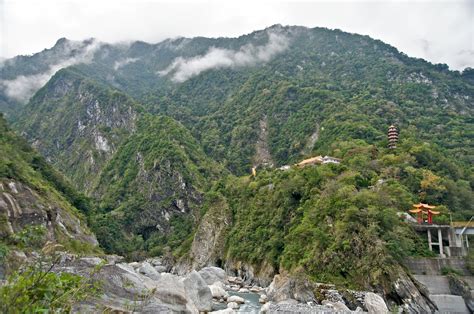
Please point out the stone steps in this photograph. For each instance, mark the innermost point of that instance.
(448, 303)
(435, 284)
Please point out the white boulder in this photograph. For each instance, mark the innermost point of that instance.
(233, 305)
(375, 303)
(236, 299)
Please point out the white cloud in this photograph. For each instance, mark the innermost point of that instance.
(120, 63)
(22, 87)
(183, 69)
(28, 26)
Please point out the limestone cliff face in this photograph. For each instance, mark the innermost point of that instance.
(208, 246)
(77, 125)
(34, 197)
(21, 207)
(153, 186)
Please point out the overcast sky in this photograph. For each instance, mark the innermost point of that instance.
(439, 31)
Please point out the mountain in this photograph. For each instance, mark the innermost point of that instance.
(163, 138)
(152, 189)
(78, 124)
(36, 203)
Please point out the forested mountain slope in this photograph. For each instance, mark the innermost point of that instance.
(78, 124)
(152, 189)
(36, 203)
(159, 171)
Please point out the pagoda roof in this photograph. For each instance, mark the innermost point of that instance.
(422, 205)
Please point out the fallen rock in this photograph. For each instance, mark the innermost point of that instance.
(244, 290)
(233, 305)
(213, 274)
(225, 311)
(236, 299)
(288, 301)
(148, 270)
(375, 303)
(338, 306)
(263, 299)
(255, 289)
(218, 292)
(114, 259)
(284, 287)
(265, 308)
(155, 261)
(161, 269)
(198, 291)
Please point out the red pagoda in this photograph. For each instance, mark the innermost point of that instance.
(424, 209)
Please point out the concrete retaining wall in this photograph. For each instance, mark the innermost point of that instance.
(434, 265)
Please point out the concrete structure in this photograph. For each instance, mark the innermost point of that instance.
(447, 240)
(441, 294)
(435, 265)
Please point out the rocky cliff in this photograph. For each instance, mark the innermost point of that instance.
(37, 204)
(77, 124)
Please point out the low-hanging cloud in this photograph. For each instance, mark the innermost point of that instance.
(22, 87)
(182, 69)
(120, 63)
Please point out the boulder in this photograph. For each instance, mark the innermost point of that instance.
(225, 311)
(337, 306)
(375, 303)
(148, 270)
(114, 259)
(170, 290)
(155, 261)
(284, 287)
(263, 299)
(198, 291)
(265, 308)
(236, 299)
(218, 291)
(161, 269)
(255, 289)
(233, 305)
(288, 301)
(213, 274)
(244, 290)
(91, 261)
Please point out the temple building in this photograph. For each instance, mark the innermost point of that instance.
(392, 137)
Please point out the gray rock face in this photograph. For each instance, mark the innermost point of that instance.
(148, 270)
(413, 295)
(125, 289)
(198, 291)
(337, 306)
(459, 287)
(375, 303)
(21, 206)
(284, 288)
(213, 274)
(208, 243)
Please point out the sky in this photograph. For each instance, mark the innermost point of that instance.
(440, 31)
